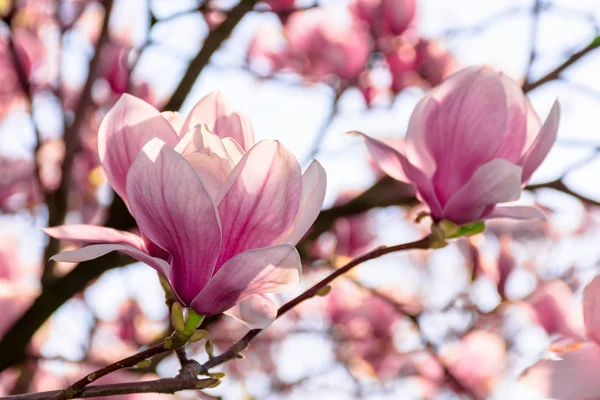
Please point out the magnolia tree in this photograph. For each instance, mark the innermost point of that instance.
(154, 242)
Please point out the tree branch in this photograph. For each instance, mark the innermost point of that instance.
(167, 386)
(322, 133)
(555, 73)
(57, 202)
(243, 343)
(211, 44)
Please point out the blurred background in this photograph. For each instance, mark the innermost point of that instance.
(460, 322)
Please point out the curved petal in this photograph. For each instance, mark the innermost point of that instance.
(257, 311)
(516, 212)
(97, 250)
(396, 165)
(497, 181)
(540, 148)
(416, 144)
(211, 170)
(234, 150)
(94, 234)
(175, 119)
(574, 376)
(174, 210)
(591, 309)
(267, 270)
(127, 127)
(261, 200)
(222, 118)
(515, 132)
(467, 127)
(314, 184)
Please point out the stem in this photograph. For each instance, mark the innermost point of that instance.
(240, 345)
(168, 386)
(169, 344)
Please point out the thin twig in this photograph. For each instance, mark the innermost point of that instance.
(243, 343)
(211, 44)
(322, 133)
(555, 73)
(535, 14)
(167, 386)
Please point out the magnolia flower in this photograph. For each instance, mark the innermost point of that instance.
(385, 17)
(472, 143)
(574, 374)
(218, 215)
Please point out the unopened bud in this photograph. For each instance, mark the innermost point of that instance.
(209, 348)
(144, 363)
(324, 291)
(177, 317)
(198, 335)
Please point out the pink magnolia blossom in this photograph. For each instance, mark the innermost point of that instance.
(552, 303)
(472, 143)
(218, 214)
(433, 62)
(574, 374)
(401, 59)
(327, 41)
(385, 17)
(478, 361)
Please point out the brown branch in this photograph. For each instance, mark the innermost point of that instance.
(57, 202)
(167, 386)
(243, 343)
(326, 124)
(211, 44)
(555, 73)
(74, 389)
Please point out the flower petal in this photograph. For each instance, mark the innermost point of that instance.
(591, 309)
(497, 181)
(175, 119)
(266, 270)
(97, 250)
(396, 165)
(575, 376)
(261, 200)
(222, 118)
(257, 311)
(127, 127)
(314, 184)
(516, 212)
(540, 148)
(174, 210)
(467, 127)
(94, 234)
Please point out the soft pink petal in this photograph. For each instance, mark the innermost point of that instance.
(396, 165)
(262, 198)
(533, 125)
(222, 119)
(314, 184)
(127, 127)
(257, 311)
(267, 270)
(416, 146)
(212, 170)
(540, 148)
(515, 132)
(516, 212)
(591, 309)
(175, 119)
(94, 234)
(97, 250)
(174, 210)
(575, 376)
(497, 181)
(234, 150)
(466, 128)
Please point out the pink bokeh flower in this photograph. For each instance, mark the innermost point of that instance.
(472, 142)
(573, 375)
(218, 214)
